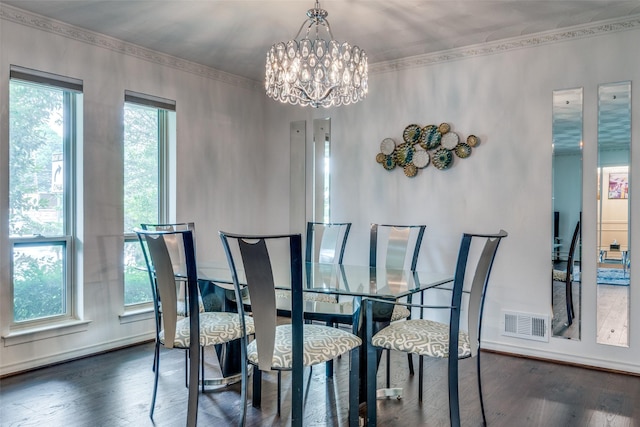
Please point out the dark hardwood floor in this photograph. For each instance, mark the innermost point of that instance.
(114, 389)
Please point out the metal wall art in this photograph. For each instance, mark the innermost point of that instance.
(423, 145)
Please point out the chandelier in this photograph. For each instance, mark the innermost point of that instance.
(316, 72)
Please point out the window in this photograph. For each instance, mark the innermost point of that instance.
(148, 129)
(43, 114)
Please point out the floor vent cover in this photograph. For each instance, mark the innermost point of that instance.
(527, 326)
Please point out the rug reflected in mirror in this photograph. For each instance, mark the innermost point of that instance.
(613, 276)
(609, 276)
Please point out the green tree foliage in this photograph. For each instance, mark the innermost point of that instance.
(35, 127)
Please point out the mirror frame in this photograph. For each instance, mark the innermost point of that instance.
(613, 243)
(567, 171)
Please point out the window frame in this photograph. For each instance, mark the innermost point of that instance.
(164, 109)
(72, 91)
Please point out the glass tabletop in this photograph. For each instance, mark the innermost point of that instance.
(342, 279)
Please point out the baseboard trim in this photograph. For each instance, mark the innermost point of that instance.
(35, 364)
(562, 362)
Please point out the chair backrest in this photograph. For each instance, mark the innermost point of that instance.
(326, 241)
(259, 264)
(397, 246)
(179, 263)
(177, 259)
(481, 264)
(157, 247)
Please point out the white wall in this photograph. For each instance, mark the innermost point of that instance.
(233, 172)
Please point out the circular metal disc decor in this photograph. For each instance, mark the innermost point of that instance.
(420, 158)
(389, 163)
(449, 140)
(442, 158)
(435, 144)
(404, 154)
(410, 170)
(387, 146)
(472, 140)
(411, 134)
(463, 150)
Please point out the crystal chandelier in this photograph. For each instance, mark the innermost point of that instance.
(316, 72)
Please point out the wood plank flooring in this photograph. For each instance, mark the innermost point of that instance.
(114, 389)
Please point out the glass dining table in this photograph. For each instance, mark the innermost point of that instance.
(325, 286)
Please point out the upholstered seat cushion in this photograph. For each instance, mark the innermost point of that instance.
(215, 328)
(422, 337)
(399, 311)
(559, 275)
(308, 296)
(321, 343)
(282, 295)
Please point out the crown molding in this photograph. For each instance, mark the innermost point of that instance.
(489, 48)
(63, 29)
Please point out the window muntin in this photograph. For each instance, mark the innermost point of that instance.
(146, 138)
(42, 140)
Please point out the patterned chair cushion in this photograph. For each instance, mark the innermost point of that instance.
(215, 328)
(283, 295)
(399, 311)
(422, 337)
(321, 343)
(308, 296)
(559, 275)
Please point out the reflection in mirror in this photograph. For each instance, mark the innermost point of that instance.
(321, 170)
(567, 207)
(614, 268)
(297, 157)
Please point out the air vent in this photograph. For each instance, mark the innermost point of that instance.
(527, 326)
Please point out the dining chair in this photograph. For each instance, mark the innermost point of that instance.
(260, 265)
(179, 265)
(396, 247)
(567, 275)
(431, 338)
(172, 329)
(326, 242)
(178, 262)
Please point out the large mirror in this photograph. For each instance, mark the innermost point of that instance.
(322, 170)
(297, 186)
(612, 223)
(566, 254)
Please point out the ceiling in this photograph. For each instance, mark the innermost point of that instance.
(234, 35)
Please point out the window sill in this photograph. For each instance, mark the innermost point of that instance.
(27, 335)
(137, 315)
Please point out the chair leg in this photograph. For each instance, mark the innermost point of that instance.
(186, 368)
(155, 380)
(410, 361)
(202, 368)
(372, 362)
(484, 418)
(388, 368)
(354, 386)
(279, 390)
(257, 387)
(243, 391)
(420, 376)
(454, 401)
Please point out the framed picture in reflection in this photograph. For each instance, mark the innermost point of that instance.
(618, 186)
